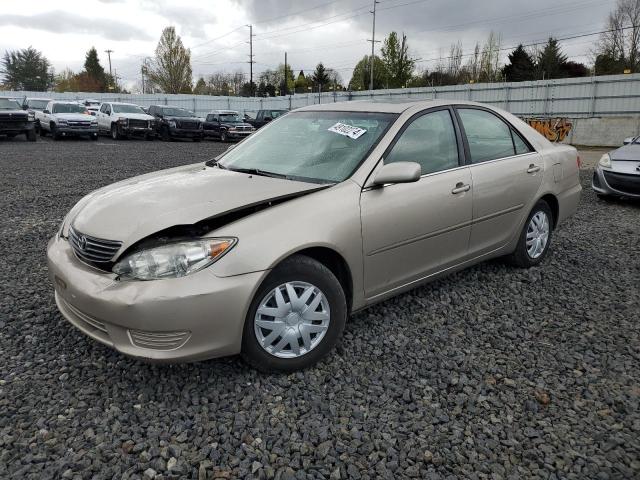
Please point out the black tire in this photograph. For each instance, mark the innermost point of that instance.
(223, 136)
(164, 134)
(520, 257)
(149, 137)
(94, 136)
(296, 268)
(31, 135)
(37, 128)
(43, 132)
(54, 132)
(115, 135)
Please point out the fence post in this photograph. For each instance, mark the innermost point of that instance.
(507, 96)
(194, 105)
(469, 95)
(592, 103)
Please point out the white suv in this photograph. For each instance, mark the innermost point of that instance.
(121, 120)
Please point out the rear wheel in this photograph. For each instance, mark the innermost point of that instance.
(535, 237)
(296, 317)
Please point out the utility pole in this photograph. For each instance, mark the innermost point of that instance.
(251, 62)
(373, 42)
(286, 88)
(109, 52)
(142, 75)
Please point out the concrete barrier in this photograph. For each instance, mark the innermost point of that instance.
(602, 131)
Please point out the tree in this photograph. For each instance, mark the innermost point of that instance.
(171, 70)
(320, 77)
(248, 89)
(362, 74)
(619, 46)
(490, 58)
(521, 66)
(575, 69)
(301, 84)
(26, 69)
(398, 64)
(96, 79)
(201, 87)
(551, 61)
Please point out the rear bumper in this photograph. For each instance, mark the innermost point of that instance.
(620, 185)
(174, 320)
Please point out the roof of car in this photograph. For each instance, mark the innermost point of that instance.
(382, 106)
(122, 103)
(220, 112)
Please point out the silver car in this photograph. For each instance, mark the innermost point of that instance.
(618, 172)
(267, 250)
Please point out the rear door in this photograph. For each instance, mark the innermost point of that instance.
(506, 173)
(411, 230)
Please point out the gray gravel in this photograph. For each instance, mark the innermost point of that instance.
(491, 373)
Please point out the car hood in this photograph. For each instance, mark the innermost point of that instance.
(628, 152)
(14, 113)
(74, 116)
(133, 209)
(135, 116)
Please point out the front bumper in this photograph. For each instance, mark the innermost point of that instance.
(186, 133)
(68, 131)
(236, 135)
(127, 130)
(183, 319)
(17, 128)
(617, 184)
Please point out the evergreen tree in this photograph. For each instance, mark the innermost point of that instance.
(320, 77)
(94, 71)
(26, 70)
(551, 61)
(521, 66)
(201, 87)
(362, 74)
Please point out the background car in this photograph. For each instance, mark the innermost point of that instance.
(263, 117)
(15, 121)
(68, 119)
(617, 174)
(226, 125)
(175, 122)
(121, 120)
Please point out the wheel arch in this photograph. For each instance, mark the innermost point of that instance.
(552, 201)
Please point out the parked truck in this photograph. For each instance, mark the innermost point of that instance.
(263, 117)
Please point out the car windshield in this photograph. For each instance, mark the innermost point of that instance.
(275, 113)
(7, 104)
(37, 104)
(127, 109)
(322, 147)
(68, 108)
(177, 112)
(230, 118)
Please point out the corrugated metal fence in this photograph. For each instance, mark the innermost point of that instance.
(587, 97)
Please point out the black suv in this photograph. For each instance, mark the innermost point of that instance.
(15, 121)
(174, 122)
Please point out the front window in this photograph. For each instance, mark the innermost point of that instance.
(177, 112)
(323, 147)
(230, 118)
(37, 104)
(276, 113)
(68, 108)
(6, 104)
(127, 109)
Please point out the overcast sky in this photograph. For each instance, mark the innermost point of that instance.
(334, 32)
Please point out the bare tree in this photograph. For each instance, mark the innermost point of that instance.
(621, 42)
(171, 69)
(455, 60)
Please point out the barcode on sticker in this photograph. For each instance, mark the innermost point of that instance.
(347, 130)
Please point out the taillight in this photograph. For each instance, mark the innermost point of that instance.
(579, 161)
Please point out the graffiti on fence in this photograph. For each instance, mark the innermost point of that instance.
(554, 129)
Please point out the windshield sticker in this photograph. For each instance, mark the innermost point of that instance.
(347, 130)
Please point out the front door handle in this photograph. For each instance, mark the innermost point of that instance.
(533, 168)
(461, 188)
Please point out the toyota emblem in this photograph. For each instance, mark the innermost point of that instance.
(82, 242)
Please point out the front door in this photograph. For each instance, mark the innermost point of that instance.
(412, 230)
(506, 174)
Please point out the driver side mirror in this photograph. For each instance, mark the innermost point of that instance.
(398, 172)
(46, 111)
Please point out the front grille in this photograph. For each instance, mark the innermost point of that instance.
(134, 123)
(13, 125)
(243, 129)
(79, 123)
(159, 340)
(623, 182)
(189, 125)
(91, 249)
(13, 117)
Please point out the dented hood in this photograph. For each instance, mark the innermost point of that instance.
(131, 210)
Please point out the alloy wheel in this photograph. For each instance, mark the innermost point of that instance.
(292, 319)
(537, 234)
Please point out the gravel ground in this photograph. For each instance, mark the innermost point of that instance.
(491, 373)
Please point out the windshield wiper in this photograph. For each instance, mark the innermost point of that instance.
(262, 173)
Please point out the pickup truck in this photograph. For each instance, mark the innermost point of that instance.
(67, 119)
(263, 117)
(175, 122)
(15, 121)
(226, 125)
(121, 120)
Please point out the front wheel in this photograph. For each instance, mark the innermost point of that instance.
(223, 137)
(535, 237)
(164, 134)
(296, 317)
(93, 136)
(54, 133)
(31, 135)
(115, 135)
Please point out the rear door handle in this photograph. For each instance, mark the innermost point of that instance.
(533, 168)
(461, 188)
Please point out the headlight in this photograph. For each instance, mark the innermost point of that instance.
(31, 116)
(62, 122)
(122, 120)
(172, 123)
(605, 161)
(174, 259)
(94, 122)
(253, 129)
